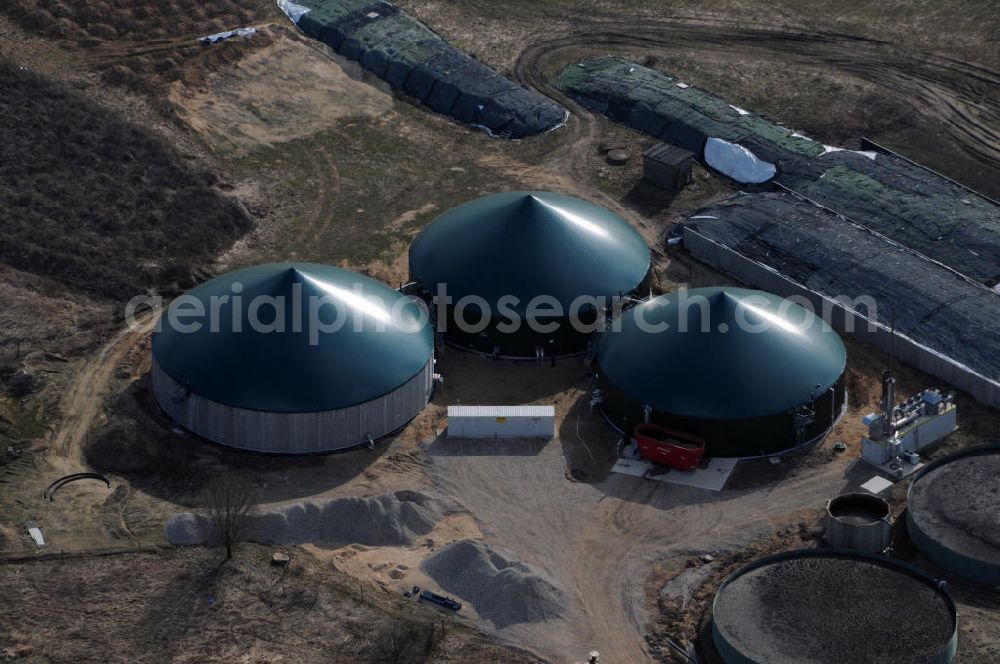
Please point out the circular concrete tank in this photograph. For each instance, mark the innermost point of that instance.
(831, 607)
(858, 522)
(953, 513)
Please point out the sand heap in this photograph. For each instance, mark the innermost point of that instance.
(503, 591)
(387, 520)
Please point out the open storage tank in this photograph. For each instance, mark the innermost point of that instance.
(953, 513)
(859, 522)
(832, 607)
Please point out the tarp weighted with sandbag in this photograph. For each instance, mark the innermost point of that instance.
(412, 58)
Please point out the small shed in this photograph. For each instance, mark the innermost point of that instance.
(668, 166)
(501, 421)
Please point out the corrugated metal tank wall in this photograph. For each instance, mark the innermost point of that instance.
(293, 433)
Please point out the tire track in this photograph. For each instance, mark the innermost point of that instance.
(84, 398)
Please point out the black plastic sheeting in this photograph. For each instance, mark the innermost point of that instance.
(889, 194)
(931, 304)
(412, 58)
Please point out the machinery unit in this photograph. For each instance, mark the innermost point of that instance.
(669, 447)
(501, 421)
(898, 433)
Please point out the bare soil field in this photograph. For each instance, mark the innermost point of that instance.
(271, 148)
(259, 101)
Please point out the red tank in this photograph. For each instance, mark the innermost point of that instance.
(669, 447)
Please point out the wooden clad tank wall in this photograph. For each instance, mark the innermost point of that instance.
(293, 433)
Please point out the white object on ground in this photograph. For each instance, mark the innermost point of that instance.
(739, 110)
(293, 10)
(737, 162)
(501, 422)
(228, 34)
(827, 149)
(876, 485)
(682, 86)
(36, 534)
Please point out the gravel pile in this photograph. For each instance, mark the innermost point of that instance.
(503, 591)
(958, 505)
(829, 610)
(387, 520)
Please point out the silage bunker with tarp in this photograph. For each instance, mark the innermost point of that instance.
(945, 323)
(412, 58)
(887, 193)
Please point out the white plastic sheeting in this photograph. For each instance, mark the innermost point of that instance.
(827, 149)
(737, 162)
(36, 535)
(293, 10)
(228, 34)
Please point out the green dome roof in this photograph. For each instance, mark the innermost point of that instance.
(287, 371)
(761, 355)
(528, 244)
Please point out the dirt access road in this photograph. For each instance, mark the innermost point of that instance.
(84, 398)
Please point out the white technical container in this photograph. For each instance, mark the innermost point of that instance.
(501, 421)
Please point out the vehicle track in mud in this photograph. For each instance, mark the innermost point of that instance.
(961, 96)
